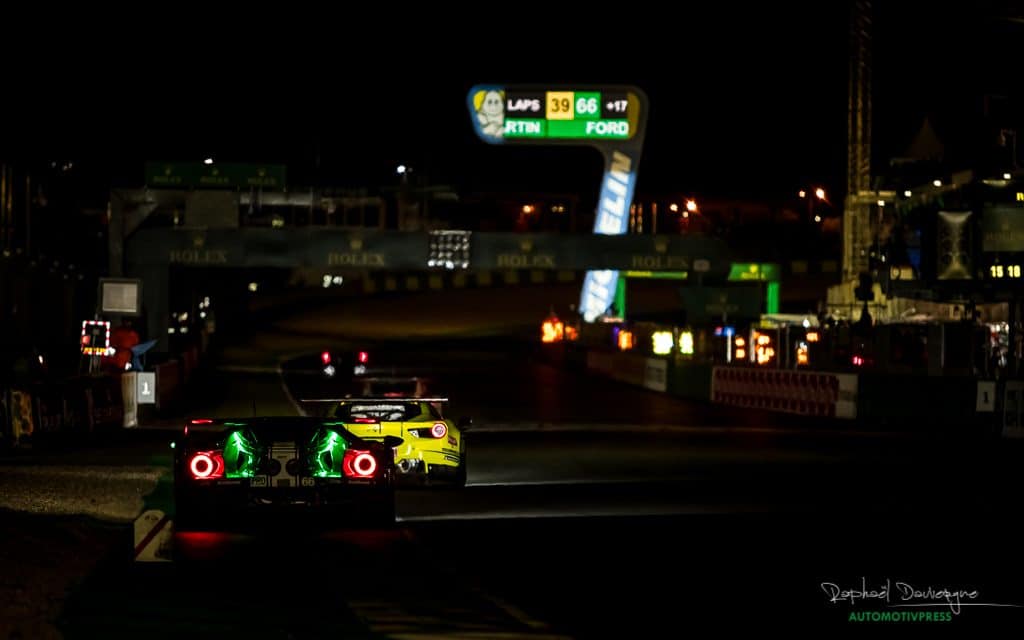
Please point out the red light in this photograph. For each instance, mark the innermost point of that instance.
(325, 357)
(86, 340)
(206, 465)
(858, 361)
(364, 357)
(359, 464)
(202, 421)
(365, 420)
(439, 430)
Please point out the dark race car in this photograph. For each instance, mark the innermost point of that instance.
(228, 467)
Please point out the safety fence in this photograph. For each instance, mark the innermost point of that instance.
(872, 400)
(77, 408)
(809, 393)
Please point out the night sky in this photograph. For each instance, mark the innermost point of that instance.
(744, 101)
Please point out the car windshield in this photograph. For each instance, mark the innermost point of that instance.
(380, 411)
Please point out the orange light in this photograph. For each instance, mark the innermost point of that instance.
(552, 331)
(528, 208)
(691, 205)
(801, 354)
(763, 351)
(626, 340)
(812, 336)
(819, 193)
(571, 333)
(740, 341)
(802, 193)
(741, 354)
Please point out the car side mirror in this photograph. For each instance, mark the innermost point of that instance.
(392, 441)
(464, 423)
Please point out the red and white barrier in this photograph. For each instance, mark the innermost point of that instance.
(803, 392)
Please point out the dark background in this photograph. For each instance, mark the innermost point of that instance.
(746, 100)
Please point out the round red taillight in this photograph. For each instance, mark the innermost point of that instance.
(439, 430)
(325, 357)
(364, 464)
(206, 465)
(202, 466)
(363, 357)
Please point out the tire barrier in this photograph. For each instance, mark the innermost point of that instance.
(831, 395)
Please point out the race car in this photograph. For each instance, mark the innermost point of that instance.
(344, 363)
(432, 449)
(227, 467)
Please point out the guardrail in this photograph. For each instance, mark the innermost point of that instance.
(871, 399)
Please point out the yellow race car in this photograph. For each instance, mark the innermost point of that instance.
(432, 446)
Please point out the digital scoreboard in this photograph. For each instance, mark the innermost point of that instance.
(608, 118)
(1004, 272)
(550, 115)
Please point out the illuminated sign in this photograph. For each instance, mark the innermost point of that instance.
(741, 271)
(609, 118)
(663, 275)
(120, 296)
(525, 114)
(764, 352)
(96, 338)
(661, 342)
(802, 355)
(741, 351)
(901, 272)
(686, 343)
(612, 219)
(1001, 271)
(226, 176)
(626, 340)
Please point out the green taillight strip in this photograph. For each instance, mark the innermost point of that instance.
(327, 454)
(239, 456)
